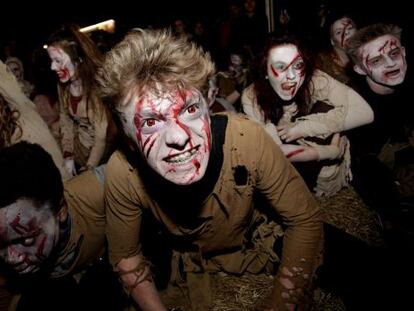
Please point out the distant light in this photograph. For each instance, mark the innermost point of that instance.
(45, 46)
(108, 26)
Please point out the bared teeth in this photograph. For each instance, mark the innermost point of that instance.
(182, 157)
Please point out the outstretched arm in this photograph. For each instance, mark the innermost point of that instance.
(296, 153)
(350, 110)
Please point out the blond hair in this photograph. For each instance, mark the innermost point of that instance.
(152, 60)
(367, 34)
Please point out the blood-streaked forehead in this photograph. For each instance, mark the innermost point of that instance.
(287, 54)
(342, 24)
(380, 46)
(166, 104)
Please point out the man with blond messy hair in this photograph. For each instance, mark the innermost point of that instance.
(198, 175)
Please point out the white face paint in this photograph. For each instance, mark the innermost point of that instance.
(341, 31)
(286, 70)
(235, 67)
(61, 64)
(173, 133)
(16, 70)
(383, 60)
(28, 235)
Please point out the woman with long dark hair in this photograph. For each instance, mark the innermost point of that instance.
(301, 107)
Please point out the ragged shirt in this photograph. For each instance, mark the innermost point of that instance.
(252, 163)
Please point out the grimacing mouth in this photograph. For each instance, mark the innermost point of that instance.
(287, 86)
(182, 157)
(392, 73)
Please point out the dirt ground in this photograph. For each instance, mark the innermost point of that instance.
(344, 211)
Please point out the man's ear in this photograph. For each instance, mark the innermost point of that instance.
(359, 70)
(332, 43)
(403, 51)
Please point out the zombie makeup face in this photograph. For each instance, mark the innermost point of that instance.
(383, 61)
(173, 133)
(341, 31)
(61, 64)
(16, 70)
(235, 66)
(285, 70)
(27, 235)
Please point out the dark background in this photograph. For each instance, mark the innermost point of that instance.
(33, 21)
(30, 23)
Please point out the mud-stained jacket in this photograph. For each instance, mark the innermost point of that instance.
(252, 162)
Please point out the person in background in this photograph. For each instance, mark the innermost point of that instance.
(334, 60)
(16, 67)
(49, 231)
(234, 80)
(382, 152)
(83, 118)
(208, 175)
(19, 120)
(300, 107)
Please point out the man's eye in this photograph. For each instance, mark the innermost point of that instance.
(192, 109)
(395, 53)
(28, 241)
(149, 122)
(375, 62)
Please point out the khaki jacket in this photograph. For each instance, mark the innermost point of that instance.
(228, 211)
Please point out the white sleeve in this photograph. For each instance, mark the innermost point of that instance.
(255, 113)
(349, 108)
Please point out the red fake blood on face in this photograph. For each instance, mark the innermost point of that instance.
(66, 74)
(19, 228)
(274, 71)
(346, 25)
(41, 248)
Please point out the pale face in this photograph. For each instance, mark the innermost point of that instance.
(16, 70)
(286, 70)
(173, 133)
(341, 31)
(28, 235)
(383, 61)
(61, 64)
(235, 66)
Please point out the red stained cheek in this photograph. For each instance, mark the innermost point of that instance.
(66, 73)
(274, 72)
(150, 147)
(197, 166)
(41, 248)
